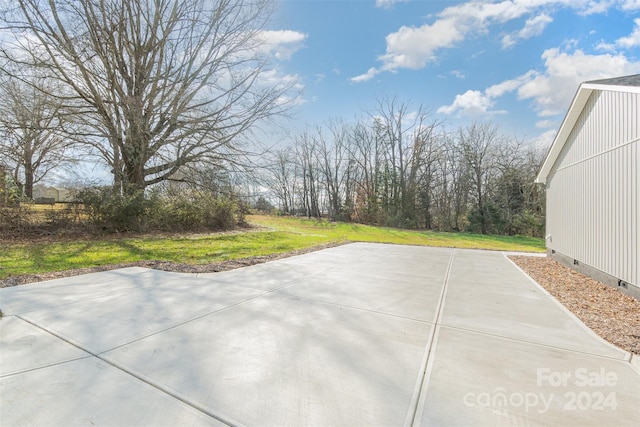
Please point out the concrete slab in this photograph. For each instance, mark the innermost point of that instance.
(138, 313)
(387, 292)
(90, 392)
(267, 276)
(361, 334)
(486, 269)
(514, 307)
(477, 379)
(60, 292)
(25, 347)
(427, 263)
(279, 360)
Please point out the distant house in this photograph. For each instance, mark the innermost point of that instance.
(39, 191)
(592, 179)
(58, 194)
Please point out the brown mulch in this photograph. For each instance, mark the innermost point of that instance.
(164, 266)
(611, 314)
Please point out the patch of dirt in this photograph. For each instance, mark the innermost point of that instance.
(611, 314)
(164, 266)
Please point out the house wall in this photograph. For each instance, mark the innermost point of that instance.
(53, 193)
(593, 206)
(59, 194)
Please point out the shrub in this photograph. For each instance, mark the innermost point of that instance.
(111, 211)
(194, 210)
(15, 219)
(59, 219)
(263, 205)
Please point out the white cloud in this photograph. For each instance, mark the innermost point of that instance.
(458, 74)
(597, 6)
(628, 42)
(631, 5)
(633, 39)
(273, 76)
(606, 47)
(371, 73)
(412, 47)
(472, 103)
(389, 3)
(293, 95)
(535, 26)
(415, 47)
(553, 90)
(500, 89)
(550, 91)
(282, 43)
(532, 27)
(544, 140)
(291, 101)
(547, 124)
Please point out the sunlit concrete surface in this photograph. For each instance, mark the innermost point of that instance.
(361, 334)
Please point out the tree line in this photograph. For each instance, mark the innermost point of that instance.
(169, 91)
(399, 167)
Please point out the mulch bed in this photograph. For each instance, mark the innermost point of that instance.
(611, 314)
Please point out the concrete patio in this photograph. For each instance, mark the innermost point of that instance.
(357, 335)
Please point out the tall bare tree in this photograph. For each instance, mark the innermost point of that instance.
(281, 178)
(478, 143)
(366, 159)
(408, 151)
(306, 148)
(31, 143)
(157, 84)
(337, 167)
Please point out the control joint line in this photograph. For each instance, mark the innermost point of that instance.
(416, 399)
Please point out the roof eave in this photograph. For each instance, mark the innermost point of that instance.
(569, 121)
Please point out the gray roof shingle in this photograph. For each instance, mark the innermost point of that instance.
(633, 80)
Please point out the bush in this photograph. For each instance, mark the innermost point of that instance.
(193, 210)
(263, 205)
(111, 211)
(15, 219)
(106, 210)
(63, 219)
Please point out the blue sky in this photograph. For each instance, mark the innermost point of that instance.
(517, 63)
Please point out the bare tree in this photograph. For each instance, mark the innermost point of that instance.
(157, 84)
(426, 152)
(281, 179)
(307, 158)
(456, 185)
(335, 163)
(408, 152)
(478, 143)
(366, 158)
(4, 186)
(30, 125)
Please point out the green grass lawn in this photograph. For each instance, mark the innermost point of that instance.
(276, 235)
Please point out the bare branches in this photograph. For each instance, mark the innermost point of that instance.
(402, 168)
(32, 143)
(161, 83)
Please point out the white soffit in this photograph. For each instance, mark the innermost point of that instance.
(578, 103)
(630, 85)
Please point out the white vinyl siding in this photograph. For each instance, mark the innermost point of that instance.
(593, 209)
